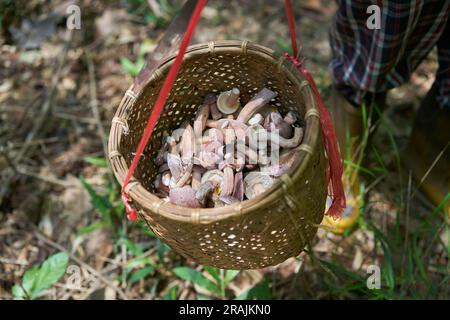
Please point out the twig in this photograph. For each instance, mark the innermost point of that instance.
(94, 107)
(42, 178)
(103, 279)
(16, 262)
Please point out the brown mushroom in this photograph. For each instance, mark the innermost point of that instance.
(256, 183)
(204, 192)
(227, 184)
(175, 165)
(200, 121)
(197, 172)
(238, 190)
(187, 145)
(184, 197)
(277, 123)
(258, 101)
(211, 100)
(288, 143)
(185, 176)
(290, 118)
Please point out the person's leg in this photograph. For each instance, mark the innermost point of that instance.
(428, 151)
(366, 62)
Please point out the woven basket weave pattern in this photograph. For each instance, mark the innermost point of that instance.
(255, 233)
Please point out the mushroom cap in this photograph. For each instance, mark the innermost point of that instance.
(228, 101)
(256, 182)
(210, 98)
(215, 176)
(184, 197)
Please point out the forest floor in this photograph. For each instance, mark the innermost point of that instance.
(58, 93)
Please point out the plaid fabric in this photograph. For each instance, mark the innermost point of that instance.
(366, 62)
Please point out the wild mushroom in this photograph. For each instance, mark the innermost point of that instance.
(204, 191)
(208, 160)
(184, 197)
(258, 101)
(285, 162)
(256, 119)
(289, 143)
(172, 142)
(211, 100)
(186, 175)
(187, 145)
(157, 181)
(200, 121)
(290, 118)
(256, 183)
(228, 101)
(165, 178)
(238, 190)
(222, 124)
(228, 199)
(175, 165)
(213, 134)
(284, 129)
(197, 172)
(227, 184)
(215, 176)
(161, 157)
(164, 167)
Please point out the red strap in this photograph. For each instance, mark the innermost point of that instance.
(334, 170)
(160, 102)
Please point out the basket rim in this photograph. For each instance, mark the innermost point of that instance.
(148, 201)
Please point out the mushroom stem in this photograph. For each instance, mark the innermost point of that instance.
(187, 145)
(186, 175)
(258, 101)
(290, 118)
(228, 101)
(196, 177)
(204, 191)
(288, 143)
(284, 129)
(227, 184)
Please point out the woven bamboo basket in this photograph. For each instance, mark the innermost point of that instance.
(252, 234)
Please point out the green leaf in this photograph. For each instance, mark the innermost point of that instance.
(100, 203)
(229, 276)
(141, 274)
(261, 292)
(90, 228)
(171, 294)
(37, 279)
(99, 162)
(214, 272)
(128, 66)
(197, 278)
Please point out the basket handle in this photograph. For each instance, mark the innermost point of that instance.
(166, 44)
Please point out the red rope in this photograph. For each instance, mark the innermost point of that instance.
(291, 23)
(334, 170)
(160, 102)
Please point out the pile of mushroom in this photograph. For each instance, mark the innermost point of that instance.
(230, 153)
